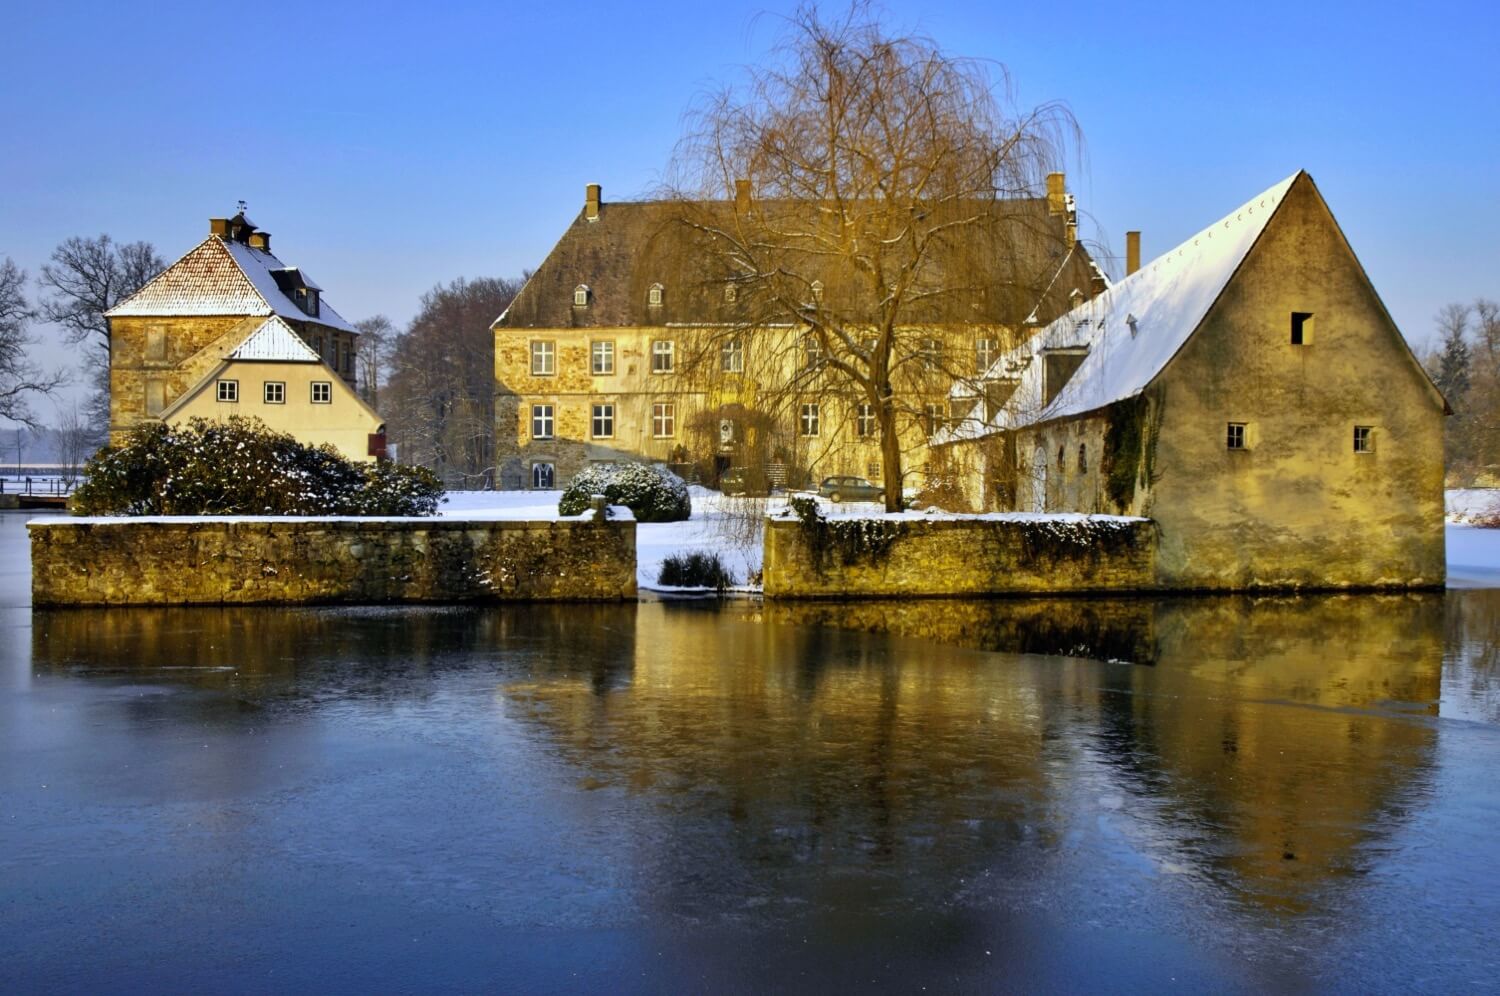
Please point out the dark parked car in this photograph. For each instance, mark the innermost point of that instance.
(850, 489)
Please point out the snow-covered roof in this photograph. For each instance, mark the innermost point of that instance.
(274, 339)
(1134, 328)
(220, 276)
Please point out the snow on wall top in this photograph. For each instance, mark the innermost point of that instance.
(274, 340)
(220, 276)
(1134, 328)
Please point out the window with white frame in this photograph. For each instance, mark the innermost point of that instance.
(1364, 439)
(663, 419)
(817, 291)
(603, 422)
(543, 358)
(864, 420)
(1234, 437)
(654, 295)
(812, 352)
(931, 353)
(322, 392)
(932, 418)
(663, 355)
(810, 419)
(541, 421)
(602, 357)
(581, 296)
(984, 354)
(731, 293)
(275, 392)
(732, 356)
(543, 475)
(229, 391)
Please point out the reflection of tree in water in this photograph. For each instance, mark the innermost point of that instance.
(1471, 679)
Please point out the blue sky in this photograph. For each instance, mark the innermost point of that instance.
(389, 147)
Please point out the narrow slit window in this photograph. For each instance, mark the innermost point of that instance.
(1302, 328)
(1235, 437)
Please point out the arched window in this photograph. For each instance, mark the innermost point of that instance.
(653, 296)
(581, 296)
(1083, 458)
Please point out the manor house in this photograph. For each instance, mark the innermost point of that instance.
(595, 359)
(229, 329)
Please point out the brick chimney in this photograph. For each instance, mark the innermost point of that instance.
(591, 202)
(741, 196)
(261, 241)
(1057, 187)
(1132, 252)
(218, 226)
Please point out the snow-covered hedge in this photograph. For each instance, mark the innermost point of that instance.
(241, 467)
(653, 493)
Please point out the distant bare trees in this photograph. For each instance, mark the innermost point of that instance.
(376, 334)
(21, 380)
(85, 278)
(880, 168)
(1466, 368)
(439, 402)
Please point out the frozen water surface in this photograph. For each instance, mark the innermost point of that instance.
(1204, 795)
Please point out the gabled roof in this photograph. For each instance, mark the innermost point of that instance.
(1136, 326)
(221, 276)
(1018, 249)
(274, 339)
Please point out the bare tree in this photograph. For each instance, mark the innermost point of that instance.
(885, 222)
(21, 380)
(375, 337)
(74, 442)
(439, 402)
(86, 278)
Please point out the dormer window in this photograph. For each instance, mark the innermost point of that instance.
(653, 296)
(731, 293)
(581, 296)
(307, 300)
(817, 291)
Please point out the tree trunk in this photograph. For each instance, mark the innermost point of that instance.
(890, 456)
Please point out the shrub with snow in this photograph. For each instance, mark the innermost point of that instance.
(240, 467)
(653, 493)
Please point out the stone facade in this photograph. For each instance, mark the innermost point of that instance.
(313, 561)
(888, 558)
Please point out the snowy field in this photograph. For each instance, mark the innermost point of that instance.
(717, 522)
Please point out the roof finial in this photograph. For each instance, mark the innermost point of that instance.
(242, 207)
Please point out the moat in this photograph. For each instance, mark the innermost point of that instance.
(1224, 794)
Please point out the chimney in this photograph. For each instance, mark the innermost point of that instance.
(218, 226)
(591, 202)
(261, 241)
(741, 196)
(1056, 193)
(1132, 252)
(1072, 234)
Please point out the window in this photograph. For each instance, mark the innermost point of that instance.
(604, 421)
(1235, 438)
(932, 418)
(1062, 458)
(663, 355)
(348, 357)
(602, 358)
(1302, 328)
(663, 419)
(581, 296)
(156, 343)
(731, 293)
(322, 392)
(1364, 439)
(931, 353)
(229, 391)
(542, 475)
(810, 417)
(984, 354)
(1083, 458)
(156, 395)
(543, 358)
(732, 356)
(653, 296)
(275, 392)
(864, 420)
(317, 345)
(817, 291)
(541, 421)
(307, 300)
(812, 352)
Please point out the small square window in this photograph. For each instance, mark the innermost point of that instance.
(1235, 437)
(275, 392)
(1302, 328)
(604, 421)
(322, 392)
(602, 354)
(1364, 439)
(543, 358)
(542, 476)
(541, 421)
(663, 356)
(229, 391)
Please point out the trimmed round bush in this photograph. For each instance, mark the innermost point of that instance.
(241, 467)
(653, 493)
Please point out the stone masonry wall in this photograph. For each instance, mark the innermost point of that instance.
(950, 557)
(309, 561)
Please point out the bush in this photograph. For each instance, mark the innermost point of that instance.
(696, 570)
(654, 494)
(240, 467)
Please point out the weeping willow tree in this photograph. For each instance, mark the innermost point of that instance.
(871, 218)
